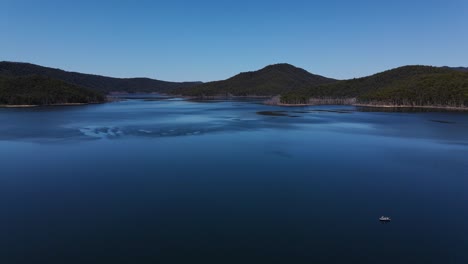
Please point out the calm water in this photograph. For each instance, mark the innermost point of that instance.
(171, 181)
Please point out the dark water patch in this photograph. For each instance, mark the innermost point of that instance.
(333, 111)
(201, 101)
(272, 113)
(442, 121)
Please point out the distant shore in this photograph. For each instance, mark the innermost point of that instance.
(29, 106)
(274, 101)
(381, 106)
(223, 97)
(415, 106)
(17, 106)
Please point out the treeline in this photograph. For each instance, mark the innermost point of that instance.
(38, 90)
(449, 89)
(271, 80)
(97, 83)
(409, 85)
(23, 83)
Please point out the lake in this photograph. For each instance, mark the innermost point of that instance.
(156, 180)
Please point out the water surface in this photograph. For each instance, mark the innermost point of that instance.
(172, 181)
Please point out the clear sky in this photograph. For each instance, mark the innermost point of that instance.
(211, 40)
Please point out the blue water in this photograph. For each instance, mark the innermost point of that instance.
(173, 181)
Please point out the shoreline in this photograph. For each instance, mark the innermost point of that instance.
(31, 106)
(18, 106)
(458, 108)
(381, 106)
(111, 99)
(222, 97)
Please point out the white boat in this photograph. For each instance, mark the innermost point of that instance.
(385, 219)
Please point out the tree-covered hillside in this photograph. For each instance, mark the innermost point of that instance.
(94, 82)
(38, 90)
(22, 83)
(441, 89)
(271, 80)
(408, 85)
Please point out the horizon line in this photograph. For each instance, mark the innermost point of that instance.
(145, 77)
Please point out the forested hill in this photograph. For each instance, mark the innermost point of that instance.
(408, 85)
(39, 90)
(94, 82)
(271, 80)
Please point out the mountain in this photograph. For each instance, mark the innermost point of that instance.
(39, 90)
(94, 82)
(408, 85)
(271, 80)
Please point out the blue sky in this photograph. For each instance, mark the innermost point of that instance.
(212, 40)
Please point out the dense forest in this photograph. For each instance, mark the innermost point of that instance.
(94, 82)
(444, 89)
(38, 90)
(408, 85)
(271, 80)
(23, 83)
